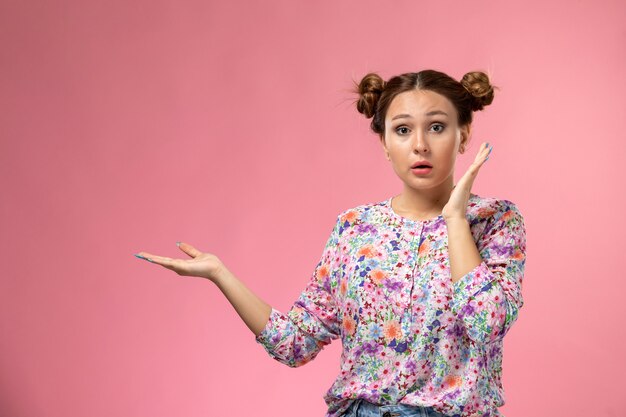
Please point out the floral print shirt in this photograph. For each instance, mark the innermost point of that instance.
(409, 334)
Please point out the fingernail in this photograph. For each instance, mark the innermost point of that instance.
(143, 257)
(487, 144)
(487, 158)
(177, 243)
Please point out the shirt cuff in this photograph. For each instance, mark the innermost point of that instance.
(475, 281)
(270, 328)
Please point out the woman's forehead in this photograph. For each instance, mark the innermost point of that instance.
(419, 103)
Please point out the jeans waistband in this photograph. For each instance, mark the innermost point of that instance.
(363, 408)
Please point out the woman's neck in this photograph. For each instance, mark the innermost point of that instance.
(423, 204)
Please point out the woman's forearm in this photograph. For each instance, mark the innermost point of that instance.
(462, 250)
(252, 310)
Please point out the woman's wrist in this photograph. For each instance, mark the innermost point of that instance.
(455, 219)
(220, 275)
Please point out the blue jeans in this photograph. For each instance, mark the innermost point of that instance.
(362, 408)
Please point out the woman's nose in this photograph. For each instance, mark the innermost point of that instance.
(419, 144)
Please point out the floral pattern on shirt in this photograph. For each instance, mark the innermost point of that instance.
(409, 334)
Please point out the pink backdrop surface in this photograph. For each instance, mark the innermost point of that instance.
(129, 125)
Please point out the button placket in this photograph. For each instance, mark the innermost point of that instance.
(414, 243)
(397, 298)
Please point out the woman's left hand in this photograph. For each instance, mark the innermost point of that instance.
(457, 204)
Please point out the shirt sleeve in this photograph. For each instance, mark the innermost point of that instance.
(296, 338)
(489, 297)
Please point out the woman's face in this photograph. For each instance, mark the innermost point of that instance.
(417, 129)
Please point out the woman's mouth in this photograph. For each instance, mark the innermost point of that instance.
(421, 170)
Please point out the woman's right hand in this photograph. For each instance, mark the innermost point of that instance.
(203, 265)
(254, 311)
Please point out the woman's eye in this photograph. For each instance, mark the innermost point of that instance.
(441, 126)
(402, 130)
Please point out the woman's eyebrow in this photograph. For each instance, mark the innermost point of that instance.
(430, 113)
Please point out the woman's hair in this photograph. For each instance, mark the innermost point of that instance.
(472, 93)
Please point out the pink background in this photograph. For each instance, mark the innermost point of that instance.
(128, 125)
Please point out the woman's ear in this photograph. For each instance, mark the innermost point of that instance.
(382, 142)
(465, 132)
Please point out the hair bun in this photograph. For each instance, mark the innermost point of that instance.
(478, 85)
(369, 90)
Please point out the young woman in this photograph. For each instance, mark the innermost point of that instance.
(421, 287)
